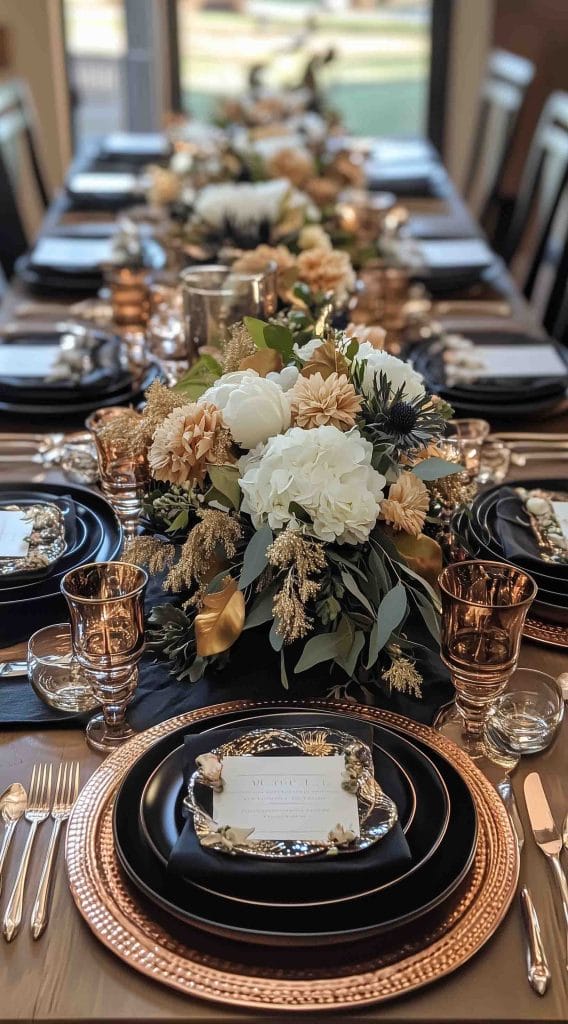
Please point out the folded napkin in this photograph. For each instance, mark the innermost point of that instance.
(314, 878)
(513, 530)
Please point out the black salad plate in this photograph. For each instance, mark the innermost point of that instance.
(409, 900)
(25, 608)
(417, 789)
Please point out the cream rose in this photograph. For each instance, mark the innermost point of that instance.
(253, 407)
(398, 373)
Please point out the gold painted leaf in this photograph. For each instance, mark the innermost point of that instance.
(264, 361)
(221, 620)
(423, 554)
(327, 359)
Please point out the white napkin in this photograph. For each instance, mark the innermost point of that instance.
(28, 360)
(133, 143)
(520, 361)
(53, 251)
(455, 252)
(103, 183)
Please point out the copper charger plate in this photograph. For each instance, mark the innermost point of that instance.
(184, 960)
(554, 634)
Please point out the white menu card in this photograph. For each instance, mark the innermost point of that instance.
(286, 797)
(560, 509)
(520, 361)
(14, 528)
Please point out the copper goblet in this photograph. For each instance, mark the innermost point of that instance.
(124, 472)
(484, 606)
(106, 606)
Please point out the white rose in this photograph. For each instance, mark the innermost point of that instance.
(286, 378)
(398, 373)
(324, 470)
(253, 408)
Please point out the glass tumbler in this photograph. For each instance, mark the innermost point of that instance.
(484, 606)
(214, 299)
(106, 606)
(124, 473)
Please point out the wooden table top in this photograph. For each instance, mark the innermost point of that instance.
(69, 976)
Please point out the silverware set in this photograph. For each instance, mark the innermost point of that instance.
(72, 453)
(550, 842)
(35, 807)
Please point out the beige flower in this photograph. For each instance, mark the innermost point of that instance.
(163, 185)
(323, 191)
(294, 164)
(372, 333)
(256, 259)
(407, 504)
(326, 270)
(314, 237)
(318, 402)
(189, 439)
(348, 170)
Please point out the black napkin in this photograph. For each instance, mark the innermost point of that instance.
(515, 534)
(315, 878)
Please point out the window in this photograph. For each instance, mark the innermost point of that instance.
(378, 80)
(96, 44)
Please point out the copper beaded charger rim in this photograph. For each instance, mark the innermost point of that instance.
(553, 634)
(120, 921)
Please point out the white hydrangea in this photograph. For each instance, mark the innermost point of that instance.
(306, 351)
(286, 378)
(253, 407)
(324, 470)
(397, 372)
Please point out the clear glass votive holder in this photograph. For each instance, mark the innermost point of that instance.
(528, 714)
(54, 673)
(106, 607)
(124, 473)
(216, 297)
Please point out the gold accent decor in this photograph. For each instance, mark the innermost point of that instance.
(119, 920)
(46, 539)
(221, 620)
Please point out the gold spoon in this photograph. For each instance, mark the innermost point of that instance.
(13, 803)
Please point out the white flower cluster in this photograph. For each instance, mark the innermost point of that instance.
(245, 203)
(326, 472)
(398, 373)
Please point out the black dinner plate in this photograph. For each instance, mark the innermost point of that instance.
(23, 609)
(427, 888)
(60, 279)
(47, 409)
(423, 814)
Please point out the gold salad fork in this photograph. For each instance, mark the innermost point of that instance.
(37, 811)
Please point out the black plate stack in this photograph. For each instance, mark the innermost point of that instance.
(104, 382)
(92, 534)
(436, 814)
(497, 527)
(76, 277)
(502, 398)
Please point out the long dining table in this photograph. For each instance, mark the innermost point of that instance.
(68, 975)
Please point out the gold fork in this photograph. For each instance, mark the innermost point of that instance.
(36, 812)
(66, 792)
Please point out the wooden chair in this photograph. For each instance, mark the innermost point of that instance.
(547, 281)
(20, 169)
(503, 92)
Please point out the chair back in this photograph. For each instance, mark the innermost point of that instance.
(20, 171)
(503, 92)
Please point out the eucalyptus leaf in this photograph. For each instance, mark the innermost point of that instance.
(378, 570)
(276, 638)
(255, 559)
(326, 646)
(349, 663)
(281, 339)
(428, 613)
(283, 674)
(255, 328)
(261, 608)
(353, 589)
(226, 480)
(390, 613)
(436, 469)
(196, 669)
(373, 645)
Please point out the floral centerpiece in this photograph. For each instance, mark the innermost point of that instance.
(290, 497)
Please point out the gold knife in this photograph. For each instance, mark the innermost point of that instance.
(547, 837)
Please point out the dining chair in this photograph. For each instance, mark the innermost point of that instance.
(21, 174)
(504, 88)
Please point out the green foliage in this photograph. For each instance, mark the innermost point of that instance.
(204, 372)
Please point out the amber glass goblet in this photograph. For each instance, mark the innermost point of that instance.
(123, 472)
(106, 606)
(484, 606)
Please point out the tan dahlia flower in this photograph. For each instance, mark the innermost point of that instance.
(318, 402)
(323, 191)
(294, 164)
(163, 185)
(372, 333)
(190, 438)
(326, 270)
(313, 236)
(256, 259)
(407, 504)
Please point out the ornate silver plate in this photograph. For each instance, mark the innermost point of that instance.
(377, 812)
(46, 538)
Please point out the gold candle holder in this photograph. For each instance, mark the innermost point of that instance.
(129, 295)
(123, 471)
(484, 606)
(106, 607)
